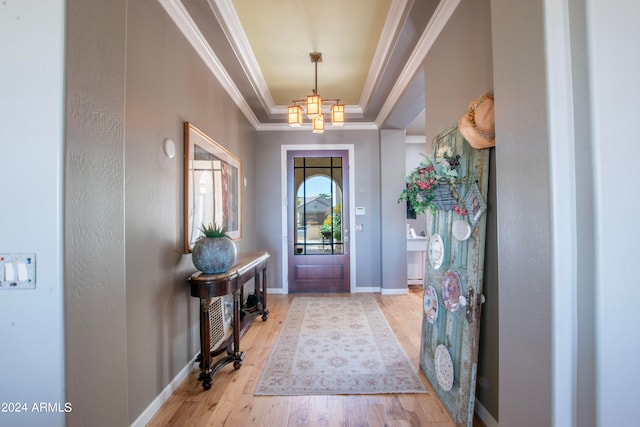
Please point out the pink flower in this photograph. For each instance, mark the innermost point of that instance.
(424, 185)
(460, 211)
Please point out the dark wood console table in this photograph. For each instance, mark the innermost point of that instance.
(252, 265)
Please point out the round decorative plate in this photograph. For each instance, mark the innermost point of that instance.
(461, 229)
(444, 367)
(430, 304)
(451, 290)
(436, 251)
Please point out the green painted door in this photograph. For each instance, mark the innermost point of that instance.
(453, 283)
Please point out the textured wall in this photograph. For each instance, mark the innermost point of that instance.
(366, 192)
(95, 333)
(167, 84)
(131, 323)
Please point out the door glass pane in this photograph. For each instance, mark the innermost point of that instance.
(318, 207)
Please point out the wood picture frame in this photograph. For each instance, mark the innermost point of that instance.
(211, 187)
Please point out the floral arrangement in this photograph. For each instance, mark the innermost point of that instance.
(423, 182)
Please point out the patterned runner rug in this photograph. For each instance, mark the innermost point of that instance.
(337, 346)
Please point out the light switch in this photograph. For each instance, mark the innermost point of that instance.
(9, 273)
(22, 272)
(17, 271)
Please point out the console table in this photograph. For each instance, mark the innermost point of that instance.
(252, 265)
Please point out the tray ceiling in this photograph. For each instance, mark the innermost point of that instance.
(259, 50)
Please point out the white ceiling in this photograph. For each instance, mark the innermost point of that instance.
(372, 54)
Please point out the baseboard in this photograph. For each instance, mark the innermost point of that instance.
(357, 290)
(363, 289)
(485, 416)
(399, 291)
(164, 395)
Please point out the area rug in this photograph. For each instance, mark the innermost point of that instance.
(331, 345)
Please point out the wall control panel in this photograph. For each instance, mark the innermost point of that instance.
(17, 271)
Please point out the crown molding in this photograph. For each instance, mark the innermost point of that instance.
(227, 16)
(231, 25)
(397, 12)
(350, 111)
(307, 127)
(180, 16)
(437, 22)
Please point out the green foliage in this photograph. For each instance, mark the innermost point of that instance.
(325, 228)
(422, 181)
(333, 223)
(212, 230)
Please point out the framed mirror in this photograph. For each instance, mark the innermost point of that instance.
(211, 186)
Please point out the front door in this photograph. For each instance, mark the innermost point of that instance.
(318, 206)
(453, 286)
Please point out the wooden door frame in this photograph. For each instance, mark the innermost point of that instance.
(284, 151)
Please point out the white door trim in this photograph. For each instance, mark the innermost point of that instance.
(284, 150)
(562, 161)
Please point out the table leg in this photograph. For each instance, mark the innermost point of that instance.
(263, 286)
(237, 354)
(205, 345)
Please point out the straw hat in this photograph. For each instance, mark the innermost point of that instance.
(478, 124)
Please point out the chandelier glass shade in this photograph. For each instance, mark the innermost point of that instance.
(295, 116)
(337, 114)
(313, 104)
(317, 123)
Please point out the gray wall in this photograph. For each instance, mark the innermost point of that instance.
(524, 223)
(366, 193)
(131, 323)
(95, 284)
(393, 214)
(458, 69)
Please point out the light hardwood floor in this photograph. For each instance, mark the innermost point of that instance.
(231, 402)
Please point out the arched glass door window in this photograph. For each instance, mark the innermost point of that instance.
(318, 206)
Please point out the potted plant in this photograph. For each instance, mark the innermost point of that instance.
(434, 185)
(214, 251)
(332, 224)
(326, 229)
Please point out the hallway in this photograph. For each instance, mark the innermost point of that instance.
(231, 402)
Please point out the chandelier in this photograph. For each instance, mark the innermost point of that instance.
(314, 103)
